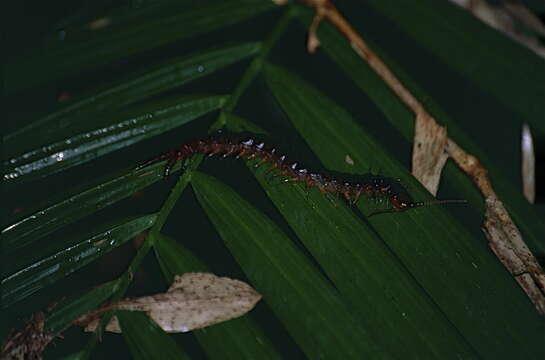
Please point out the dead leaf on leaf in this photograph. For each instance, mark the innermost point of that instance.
(429, 155)
(28, 342)
(503, 235)
(506, 242)
(512, 18)
(528, 165)
(193, 301)
(432, 147)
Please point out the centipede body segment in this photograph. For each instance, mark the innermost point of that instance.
(368, 185)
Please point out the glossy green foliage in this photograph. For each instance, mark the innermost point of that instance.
(73, 116)
(70, 309)
(366, 273)
(145, 339)
(336, 283)
(116, 132)
(416, 237)
(401, 118)
(239, 338)
(126, 36)
(31, 228)
(519, 68)
(269, 259)
(42, 273)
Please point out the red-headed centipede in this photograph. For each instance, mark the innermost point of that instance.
(372, 186)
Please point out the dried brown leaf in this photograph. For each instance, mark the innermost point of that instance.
(429, 155)
(528, 165)
(194, 301)
(506, 242)
(431, 149)
(28, 342)
(503, 236)
(510, 17)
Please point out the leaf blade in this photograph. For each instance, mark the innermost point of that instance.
(460, 286)
(256, 242)
(372, 282)
(127, 91)
(239, 338)
(145, 339)
(70, 309)
(159, 26)
(482, 64)
(401, 118)
(46, 271)
(24, 232)
(142, 123)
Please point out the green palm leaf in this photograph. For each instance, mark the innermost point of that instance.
(335, 283)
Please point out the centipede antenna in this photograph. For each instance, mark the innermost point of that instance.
(439, 202)
(417, 204)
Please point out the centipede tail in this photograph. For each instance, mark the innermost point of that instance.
(369, 185)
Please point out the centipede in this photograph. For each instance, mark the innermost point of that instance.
(371, 186)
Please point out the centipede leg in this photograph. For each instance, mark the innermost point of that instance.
(278, 178)
(307, 192)
(269, 176)
(271, 173)
(228, 153)
(331, 198)
(291, 179)
(376, 201)
(168, 167)
(261, 162)
(348, 199)
(146, 164)
(152, 161)
(282, 176)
